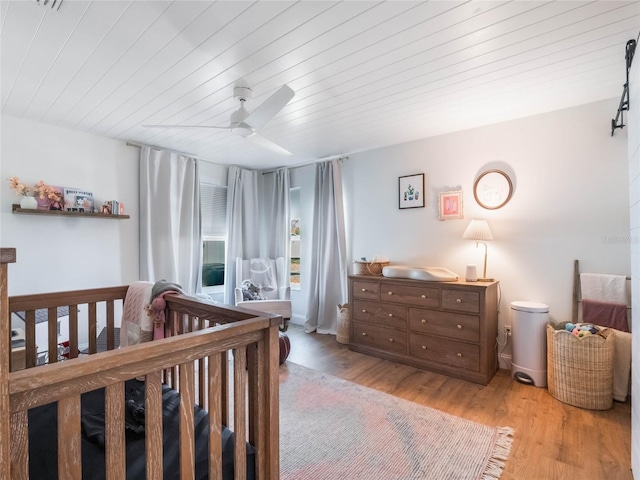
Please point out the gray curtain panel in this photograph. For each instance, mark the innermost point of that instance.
(170, 232)
(328, 276)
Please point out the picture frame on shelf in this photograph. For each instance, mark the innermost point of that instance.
(76, 200)
(450, 205)
(411, 191)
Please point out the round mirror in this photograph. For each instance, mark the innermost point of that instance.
(493, 189)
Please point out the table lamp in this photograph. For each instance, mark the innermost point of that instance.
(479, 231)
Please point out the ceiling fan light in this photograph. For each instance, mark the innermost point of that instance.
(243, 130)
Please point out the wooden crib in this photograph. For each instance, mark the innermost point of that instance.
(195, 363)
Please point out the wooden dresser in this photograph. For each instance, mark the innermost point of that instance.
(445, 327)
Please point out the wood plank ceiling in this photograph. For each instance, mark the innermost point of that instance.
(366, 74)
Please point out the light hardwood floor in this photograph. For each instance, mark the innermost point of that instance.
(552, 440)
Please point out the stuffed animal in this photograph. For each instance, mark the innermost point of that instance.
(251, 291)
(158, 304)
(569, 327)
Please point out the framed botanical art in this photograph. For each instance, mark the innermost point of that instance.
(450, 205)
(411, 191)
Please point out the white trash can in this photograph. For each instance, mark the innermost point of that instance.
(529, 342)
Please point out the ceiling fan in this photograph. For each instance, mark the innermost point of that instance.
(247, 124)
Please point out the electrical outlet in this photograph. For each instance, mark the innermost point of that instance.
(507, 330)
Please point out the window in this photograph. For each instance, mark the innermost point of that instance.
(213, 205)
(294, 214)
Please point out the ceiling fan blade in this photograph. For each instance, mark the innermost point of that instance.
(269, 108)
(185, 126)
(267, 144)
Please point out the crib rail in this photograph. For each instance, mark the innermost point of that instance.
(240, 389)
(96, 302)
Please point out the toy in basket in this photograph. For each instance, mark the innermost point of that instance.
(373, 267)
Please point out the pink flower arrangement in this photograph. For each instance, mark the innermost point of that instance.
(46, 191)
(18, 187)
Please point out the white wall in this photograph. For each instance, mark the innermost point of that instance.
(62, 253)
(633, 133)
(570, 202)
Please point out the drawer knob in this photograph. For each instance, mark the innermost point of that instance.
(424, 347)
(459, 327)
(391, 340)
(364, 334)
(364, 311)
(458, 300)
(391, 314)
(390, 293)
(364, 289)
(424, 296)
(423, 321)
(459, 354)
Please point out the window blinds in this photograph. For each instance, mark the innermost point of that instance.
(213, 207)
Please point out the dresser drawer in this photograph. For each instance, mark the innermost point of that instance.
(460, 300)
(366, 290)
(409, 295)
(394, 316)
(453, 325)
(381, 338)
(448, 352)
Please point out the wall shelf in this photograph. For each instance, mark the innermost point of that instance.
(32, 211)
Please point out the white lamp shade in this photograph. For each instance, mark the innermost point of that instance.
(478, 230)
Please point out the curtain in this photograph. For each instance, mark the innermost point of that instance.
(328, 272)
(170, 238)
(243, 224)
(275, 217)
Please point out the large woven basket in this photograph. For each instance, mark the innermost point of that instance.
(580, 370)
(361, 267)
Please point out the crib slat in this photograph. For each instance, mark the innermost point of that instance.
(73, 331)
(153, 426)
(114, 431)
(19, 446)
(215, 420)
(187, 433)
(30, 339)
(110, 325)
(239, 412)
(52, 323)
(254, 407)
(93, 328)
(69, 451)
(224, 390)
(258, 421)
(202, 385)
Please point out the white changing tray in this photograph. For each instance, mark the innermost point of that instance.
(427, 274)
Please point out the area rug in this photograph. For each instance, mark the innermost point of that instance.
(333, 429)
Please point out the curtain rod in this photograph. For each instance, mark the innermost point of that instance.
(300, 165)
(138, 145)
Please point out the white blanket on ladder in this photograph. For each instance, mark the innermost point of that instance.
(604, 288)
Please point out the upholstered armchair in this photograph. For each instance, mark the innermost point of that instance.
(272, 287)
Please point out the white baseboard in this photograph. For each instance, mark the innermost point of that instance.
(504, 360)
